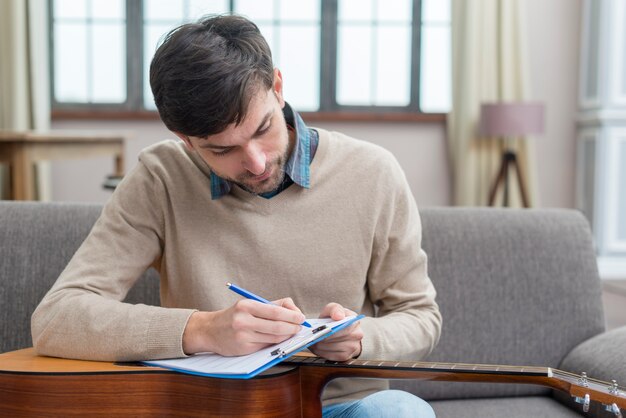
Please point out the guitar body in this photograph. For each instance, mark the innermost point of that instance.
(42, 386)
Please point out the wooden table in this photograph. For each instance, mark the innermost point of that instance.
(21, 150)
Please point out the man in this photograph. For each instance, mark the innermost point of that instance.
(249, 195)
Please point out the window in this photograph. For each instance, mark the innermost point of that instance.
(352, 55)
(89, 45)
(374, 53)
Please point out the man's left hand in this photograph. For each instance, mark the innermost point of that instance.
(344, 345)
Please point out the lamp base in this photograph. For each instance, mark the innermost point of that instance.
(509, 158)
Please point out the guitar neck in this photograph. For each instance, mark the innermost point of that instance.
(426, 367)
(574, 385)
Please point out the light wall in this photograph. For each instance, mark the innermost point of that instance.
(554, 30)
(421, 149)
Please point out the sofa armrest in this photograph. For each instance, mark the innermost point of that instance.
(602, 357)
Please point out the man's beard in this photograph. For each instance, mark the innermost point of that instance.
(268, 185)
(246, 179)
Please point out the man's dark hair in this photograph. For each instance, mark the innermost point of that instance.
(205, 73)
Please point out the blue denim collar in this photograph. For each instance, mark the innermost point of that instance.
(297, 166)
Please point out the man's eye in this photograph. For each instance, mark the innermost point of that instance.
(220, 153)
(265, 130)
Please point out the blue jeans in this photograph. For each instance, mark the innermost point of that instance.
(386, 403)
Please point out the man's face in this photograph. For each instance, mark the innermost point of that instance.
(253, 154)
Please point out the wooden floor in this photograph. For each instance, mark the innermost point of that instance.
(614, 296)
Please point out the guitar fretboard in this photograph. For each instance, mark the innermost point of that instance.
(426, 366)
(580, 387)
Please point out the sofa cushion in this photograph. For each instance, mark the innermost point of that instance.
(522, 407)
(602, 358)
(608, 347)
(36, 242)
(515, 287)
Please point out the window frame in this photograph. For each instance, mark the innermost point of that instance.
(329, 109)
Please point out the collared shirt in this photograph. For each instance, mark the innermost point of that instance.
(297, 168)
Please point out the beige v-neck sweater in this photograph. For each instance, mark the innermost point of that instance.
(352, 238)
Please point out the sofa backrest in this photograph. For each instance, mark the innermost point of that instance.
(515, 287)
(37, 240)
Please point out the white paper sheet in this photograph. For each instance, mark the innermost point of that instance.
(215, 364)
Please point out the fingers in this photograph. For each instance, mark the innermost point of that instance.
(246, 323)
(272, 312)
(334, 311)
(352, 332)
(243, 328)
(287, 303)
(342, 346)
(339, 353)
(266, 319)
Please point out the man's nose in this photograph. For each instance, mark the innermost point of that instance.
(254, 160)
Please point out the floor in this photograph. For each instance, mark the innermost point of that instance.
(614, 296)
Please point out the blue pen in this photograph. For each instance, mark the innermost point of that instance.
(249, 295)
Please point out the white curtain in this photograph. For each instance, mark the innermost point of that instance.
(489, 61)
(24, 76)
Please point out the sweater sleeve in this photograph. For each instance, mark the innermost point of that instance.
(83, 316)
(407, 324)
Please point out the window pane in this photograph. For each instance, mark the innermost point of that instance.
(255, 10)
(300, 10)
(355, 10)
(199, 8)
(394, 10)
(621, 192)
(436, 11)
(108, 9)
(374, 53)
(108, 63)
(299, 63)
(89, 51)
(70, 9)
(70, 62)
(393, 66)
(435, 90)
(163, 10)
(152, 35)
(354, 55)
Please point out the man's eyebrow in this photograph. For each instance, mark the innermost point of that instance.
(257, 133)
(262, 124)
(205, 145)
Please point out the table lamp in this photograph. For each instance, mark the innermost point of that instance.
(508, 120)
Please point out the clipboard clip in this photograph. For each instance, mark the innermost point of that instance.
(301, 342)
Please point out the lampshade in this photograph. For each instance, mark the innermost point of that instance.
(511, 118)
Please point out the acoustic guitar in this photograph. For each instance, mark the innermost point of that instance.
(42, 386)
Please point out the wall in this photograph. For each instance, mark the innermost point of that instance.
(553, 44)
(420, 149)
(554, 29)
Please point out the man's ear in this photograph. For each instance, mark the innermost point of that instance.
(278, 87)
(185, 139)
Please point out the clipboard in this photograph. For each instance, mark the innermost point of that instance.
(248, 366)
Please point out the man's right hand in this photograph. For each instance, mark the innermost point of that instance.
(244, 328)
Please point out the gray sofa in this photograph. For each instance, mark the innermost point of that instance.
(516, 287)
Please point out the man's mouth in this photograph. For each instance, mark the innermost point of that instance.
(264, 176)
